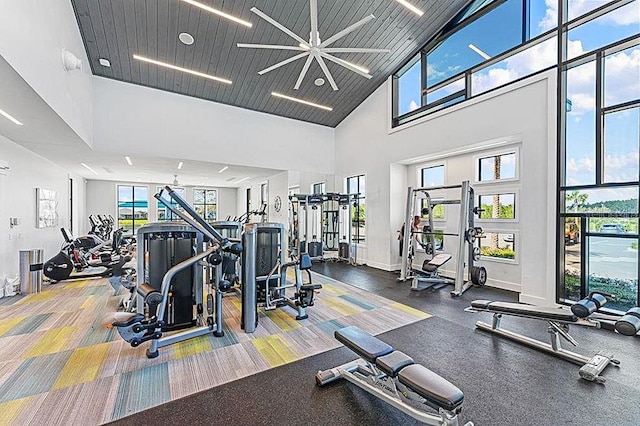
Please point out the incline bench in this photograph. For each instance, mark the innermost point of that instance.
(394, 377)
(583, 313)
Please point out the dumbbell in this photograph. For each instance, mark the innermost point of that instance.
(589, 305)
(629, 324)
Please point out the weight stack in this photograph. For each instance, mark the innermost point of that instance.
(343, 250)
(315, 249)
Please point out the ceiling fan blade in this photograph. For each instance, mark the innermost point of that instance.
(270, 46)
(347, 30)
(285, 62)
(345, 64)
(303, 72)
(354, 50)
(313, 7)
(278, 25)
(326, 72)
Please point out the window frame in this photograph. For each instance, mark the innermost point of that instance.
(516, 246)
(134, 228)
(172, 216)
(514, 149)
(500, 191)
(363, 196)
(205, 204)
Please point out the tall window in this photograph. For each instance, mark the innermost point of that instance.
(356, 185)
(469, 57)
(599, 134)
(163, 212)
(248, 200)
(205, 202)
(318, 188)
(133, 207)
(432, 176)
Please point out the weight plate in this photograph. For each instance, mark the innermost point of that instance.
(210, 304)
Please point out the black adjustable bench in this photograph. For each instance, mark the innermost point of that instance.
(582, 313)
(394, 377)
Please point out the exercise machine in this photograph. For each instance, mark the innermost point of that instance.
(264, 274)
(230, 265)
(396, 379)
(583, 313)
(78, 259)
(170, 281)
(467, 273)
(321, 224)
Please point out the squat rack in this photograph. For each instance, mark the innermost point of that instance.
(467, 233)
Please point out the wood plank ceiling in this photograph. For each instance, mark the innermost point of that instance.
(118, 29)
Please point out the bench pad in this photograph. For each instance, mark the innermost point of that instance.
(364, 344)
(436, 262)
(553, 314)
(434, 388)
(392, 363)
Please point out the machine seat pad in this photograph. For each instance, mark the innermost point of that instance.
(551, 314)
(364, 344)
(311, 286)
(437, 390)
(149, 294)
(436, 262)
(123, 319)
(305, 261)
(392, 363)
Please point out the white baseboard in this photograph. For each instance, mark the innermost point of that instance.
(534, 300)
(504, 285)
(383, 266)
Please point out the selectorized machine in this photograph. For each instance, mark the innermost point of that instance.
(170, 289)
(264, 274)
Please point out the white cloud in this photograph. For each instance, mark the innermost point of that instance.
(550, 19)
(620, 168)
(622, 76)
(413, 105)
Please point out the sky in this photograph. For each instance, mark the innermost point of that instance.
(622, 80)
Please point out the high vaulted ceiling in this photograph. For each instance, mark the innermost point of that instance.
(118, 29)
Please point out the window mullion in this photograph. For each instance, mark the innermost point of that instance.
(599, 118)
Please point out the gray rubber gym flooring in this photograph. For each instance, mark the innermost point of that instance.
(504, 383)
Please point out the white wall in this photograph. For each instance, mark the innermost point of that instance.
(102, 198)
(32, 35)
(524, 111)
(279, 187)
(18, 199)
(138, 120)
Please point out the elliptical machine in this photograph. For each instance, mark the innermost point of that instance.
(77, 261)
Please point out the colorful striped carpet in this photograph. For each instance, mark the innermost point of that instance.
(61, 365)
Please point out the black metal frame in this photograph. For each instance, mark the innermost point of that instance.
(357, 239)
(561, 66)
(205, 204)
(133, 205)
(598, 55)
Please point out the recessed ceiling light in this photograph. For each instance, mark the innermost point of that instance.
(223, 169)
(180, 164)
(89, 168)
(302, 101)
(10, 117)
(319, 81)
(243, 179)
(186, 70)
(479, 52)
(126, 157)
(218, 12)
(104, 62)
(186, 38)
(411, 7)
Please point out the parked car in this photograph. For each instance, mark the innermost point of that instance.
(571, 233)
(612, 228)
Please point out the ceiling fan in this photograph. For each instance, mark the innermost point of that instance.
(175, 180)
(315, 48)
